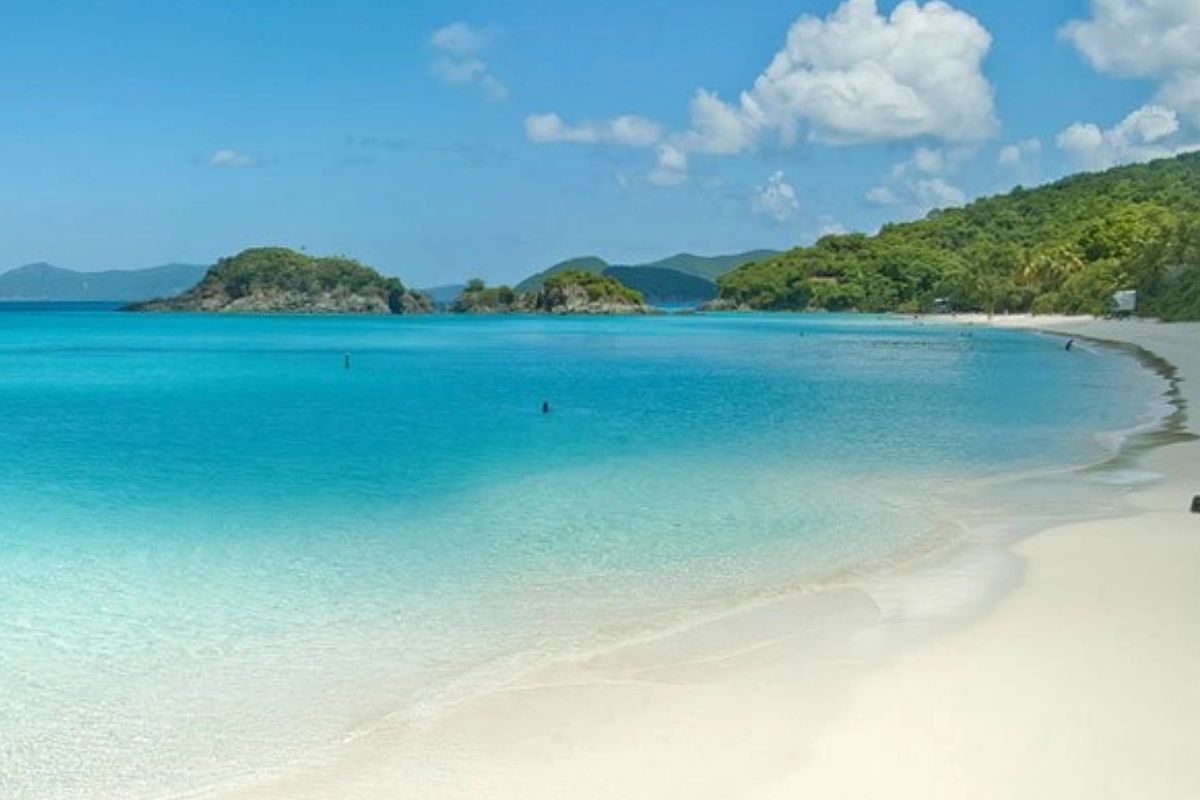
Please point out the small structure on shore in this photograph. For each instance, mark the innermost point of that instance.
(1124, 303)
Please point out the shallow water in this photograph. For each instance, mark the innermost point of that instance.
(221, 549)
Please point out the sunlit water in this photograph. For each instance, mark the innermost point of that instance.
(221, 549)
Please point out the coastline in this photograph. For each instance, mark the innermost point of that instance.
(1081, 683)
(755, 705)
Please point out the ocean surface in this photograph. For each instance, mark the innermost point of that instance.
(222, 550)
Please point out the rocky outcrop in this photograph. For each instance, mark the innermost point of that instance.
(587, 293)
(479, 298)
(568, 292)
(724, 304)
(278, 280)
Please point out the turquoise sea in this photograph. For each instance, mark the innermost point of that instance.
(221, 550)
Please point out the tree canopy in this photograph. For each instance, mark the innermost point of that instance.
(1064, 247)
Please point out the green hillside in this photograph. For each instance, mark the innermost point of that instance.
(1064, 247)
(276, 279)
(48, 282)
(579, 291)
(660, 285)
(708, 267)
(582, 264)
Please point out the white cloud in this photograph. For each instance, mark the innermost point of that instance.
(230, 158)
(882, 196)
(629, 130)
(672, 166)
(1139, 38)
(858, 76)
(634, 131)
(933, 193)
(547, 128)
(830, 227)
(776, 199)
(1182, 93)
(919, 182)
(928, 160)
(459, 39)
(855, 76)
(1017, 153)
(1148, 133)
(718, 128)
(1148, 39)
(460, 63)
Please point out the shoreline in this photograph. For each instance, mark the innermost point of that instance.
(757, 699)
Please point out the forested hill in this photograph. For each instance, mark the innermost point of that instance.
(279, 280)
(683, 277)
(51, 283)
(1064, 247)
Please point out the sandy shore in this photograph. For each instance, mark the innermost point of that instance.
(1080, 682)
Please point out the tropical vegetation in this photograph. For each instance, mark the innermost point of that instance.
(683, 277)
(479, 298)
(597, 288)
(280, 279)
(563, 292)
(1064, 247)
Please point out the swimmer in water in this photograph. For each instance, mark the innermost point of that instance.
(1070, 344)
(345, 360)
(545, 407)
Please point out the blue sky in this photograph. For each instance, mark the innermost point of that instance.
(441, 140)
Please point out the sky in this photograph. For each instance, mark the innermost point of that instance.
(444, 140)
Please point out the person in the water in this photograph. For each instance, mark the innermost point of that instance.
(1070, 344)
(545, 407)
(345, 360)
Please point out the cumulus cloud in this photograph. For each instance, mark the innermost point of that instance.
(459, 60)
(855, 76)
(830, 227)
(459, 39)
(776, 198)
(1148, 133)
(933, 193)
(629, 130)
(672, 166)
(858, 76)
(1017, 153)
(1139, 38)
(230, 159)
(882, 196)
(1148, 39)
(920, 182)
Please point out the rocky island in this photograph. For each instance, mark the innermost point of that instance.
(568, 292)
(279, 280)
(479, 298)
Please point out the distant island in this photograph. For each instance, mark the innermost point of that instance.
(565, 292)
(681, 278)
(47, 283)
(443, 296)
(276, 279)
(1065, 247)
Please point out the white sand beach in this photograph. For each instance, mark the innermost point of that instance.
(1074, 677)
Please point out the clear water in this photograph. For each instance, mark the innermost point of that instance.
(220, 549)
